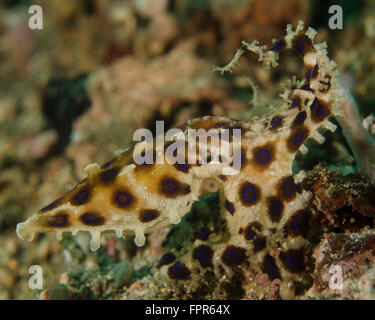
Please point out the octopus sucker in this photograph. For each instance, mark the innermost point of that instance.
(268, 221)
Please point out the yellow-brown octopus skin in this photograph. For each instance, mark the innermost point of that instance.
(267, 214)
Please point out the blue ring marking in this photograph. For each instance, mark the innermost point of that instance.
(298, 139)
(61, 221)
(176, 267)
(149, 216)
(121, 202)
(81, 196)
(315, 102)
(275, 122)
(202, 255)
(234, 255)
(182, 167)
(272, 268)
(252, 190)
(89, 218)
(262, 153)
(288, 187)
(203, 259)
(301, 117)
(275, 207)
(300, 46)
(202, 235)
(271, 265)
(203, 252)
(296, 102)
(277, 46)
(315, 69)
(229, 206)
(295, 224)
(259, 244)
(306, 87)
(308, 76)
(167, 183)
(109, 175)
(319, 110)
(285, 230)
(107, 164)
(290, 262)
(251, 234)
(317, 107)
(167, 259)
(50, 206)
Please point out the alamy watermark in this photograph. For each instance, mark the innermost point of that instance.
(200, 146)
(336, 280)
(336, 20)
(36, 18)
(36, 279)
